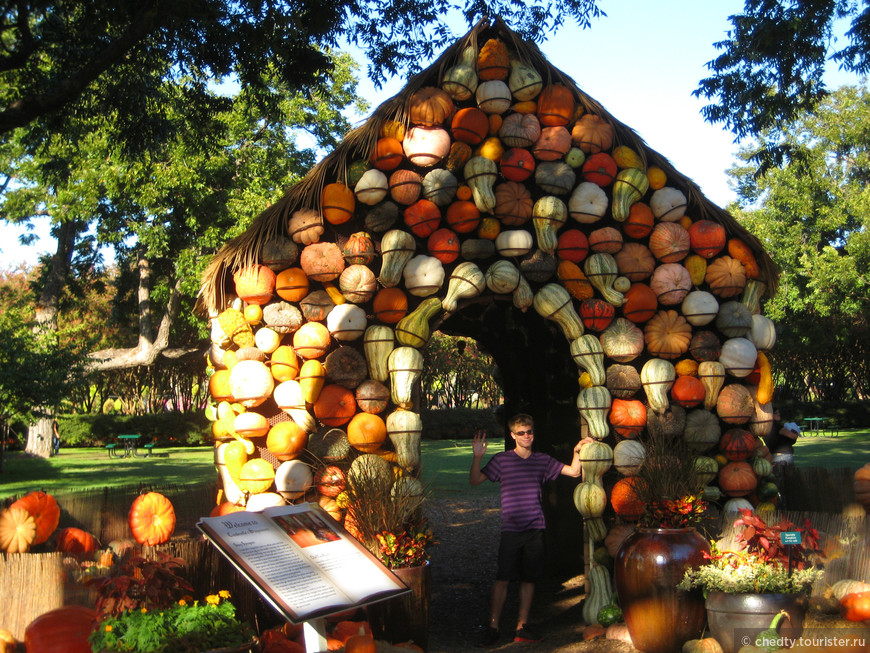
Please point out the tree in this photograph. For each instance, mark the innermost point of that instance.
(458, 373)
(771, 66)
(813, 215)
(66, 59)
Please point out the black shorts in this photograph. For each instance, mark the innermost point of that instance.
(521, 556)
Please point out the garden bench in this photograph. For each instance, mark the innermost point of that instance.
(149, 449)
(110, 448)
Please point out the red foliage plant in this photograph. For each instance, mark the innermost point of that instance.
(135, 582)
(763, 540)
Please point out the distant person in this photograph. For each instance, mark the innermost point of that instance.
(55, 439)
(521, 473)
(780, 441)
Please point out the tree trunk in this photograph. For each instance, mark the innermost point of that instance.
(539, 377)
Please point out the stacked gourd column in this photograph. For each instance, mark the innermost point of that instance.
(492, 179)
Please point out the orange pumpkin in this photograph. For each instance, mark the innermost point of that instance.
(688, 391)
(311, 340)
(517, 164)
(44, 510)
(592, 134)
(489, 228)
(330, 481)
(640, 304)
(556, 105)
(736, 479)
(726, 276)
(62, 630)
(607, 240)
(17, 530)
(286, 440)
(470, 125)
(640, 221)
(388, 154)
(291, 284)
(359, 249)
(337, 203)
(596, 314)
(669, 242)
(360, 644)
(75, 541)
(741, 251)
(553, 144)
(430, 106)
(707, 238)
(322, 261)
(513, 203)
(855, 606)
(628, 416)
(600, 169)
(443, 244)
(861, 486)
(366, 432)
(151, 519)
(736, 444)
(423, 217)
(390, 305)
(335, 405)
(735, 404)
(255, 284)
(344, 630)
(219, 386)
(626, 498)
(463, 216)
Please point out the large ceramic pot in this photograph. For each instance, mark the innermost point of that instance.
(406, 617)
(736, 619)
(649, 565)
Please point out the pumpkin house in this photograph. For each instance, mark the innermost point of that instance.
(491, 197)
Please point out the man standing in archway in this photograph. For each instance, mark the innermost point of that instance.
(521, 473)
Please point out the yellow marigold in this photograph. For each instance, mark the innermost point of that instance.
(224, 594)
(182, 602)
(108, 628)
(212, 599)
(144, 610)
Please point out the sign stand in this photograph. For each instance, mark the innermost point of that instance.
(788, 539)
(314, 634)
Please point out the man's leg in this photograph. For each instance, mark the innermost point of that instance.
(527, 592)
(499, 595)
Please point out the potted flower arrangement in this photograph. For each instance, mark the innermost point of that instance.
(654, 558)
(747, 586)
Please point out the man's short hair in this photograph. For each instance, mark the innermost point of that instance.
(520, 419)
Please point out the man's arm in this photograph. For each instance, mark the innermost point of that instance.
(574, 469)
(478, 448)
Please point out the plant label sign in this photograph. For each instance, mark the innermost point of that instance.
(790, 537)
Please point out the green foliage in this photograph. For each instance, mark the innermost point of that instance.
(771, 66)
(167, 429)
(813, 216)
(457, 373)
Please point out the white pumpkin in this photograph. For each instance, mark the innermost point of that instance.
(493, 96)
(738, 356)
(259, 502)
(424, 275)
(289, 398)
(293, 478)
(514, 242)
(588, 203)
(700, 307)
(346, 322)
(502, 277)
(267, 340)
(668, 204)
(628, 455)
(736, 504)
(372, 187)
(763, 332)
(251, 382)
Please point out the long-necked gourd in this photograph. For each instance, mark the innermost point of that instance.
(378, 342)
(596, 458)
(588, 353)
(466, 281)
(712, 375)
(554, 303)
(288, 395)
(590, 499)
(630, 185)
(548, 215)
(397, 248)
(657, 376)
(593, 404)
(601, 270)
(413, 329)
(406, 366)
(404, 428)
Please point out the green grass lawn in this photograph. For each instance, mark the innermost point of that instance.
(445, 466)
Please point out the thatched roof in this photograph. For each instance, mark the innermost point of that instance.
(360, 142)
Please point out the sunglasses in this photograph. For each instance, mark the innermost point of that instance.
(529, 432)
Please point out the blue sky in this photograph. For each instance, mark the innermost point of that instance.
(642, 62)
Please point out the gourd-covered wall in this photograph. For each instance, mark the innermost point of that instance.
(491, 180)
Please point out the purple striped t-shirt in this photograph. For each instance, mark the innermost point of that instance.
(522, 481)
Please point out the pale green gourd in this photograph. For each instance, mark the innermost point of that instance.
(406, 366)
(502, 277)
(554, 303)
(466, 281)
(397, 248)
(524, 81)
(629, 186)
(404, 428)
(601, 270)
(480, 175)
(378, 342)
(548, 215)
(523, 295)
(595, 459)
(460, 80)
(590, 499)
(593, 404)
(599, 595)
(712, 376)
(588, 353)
(657, 376)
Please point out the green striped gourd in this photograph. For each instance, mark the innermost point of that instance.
(554, 303)
(657, 376)
(378, 342)
(593, 405)
(413, 329)
(629, 186)
(590, 499)
(466, 281)
(406, 366)
(588, 353)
